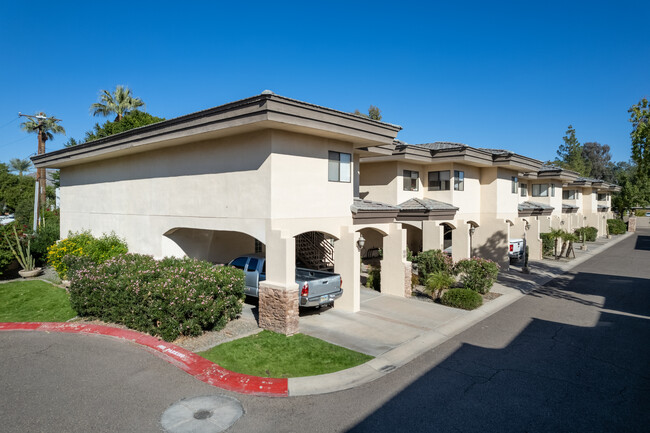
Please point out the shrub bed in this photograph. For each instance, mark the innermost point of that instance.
(477, 274)
(433, 261)
(84, 244)
(167, 298)
(548, 244)
(589, 233)
(461, 298)
(374, 278)
(616, 227)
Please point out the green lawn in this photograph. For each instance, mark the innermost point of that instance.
(269, 354)
(34, 301)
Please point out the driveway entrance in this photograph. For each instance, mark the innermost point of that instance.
(383, 323)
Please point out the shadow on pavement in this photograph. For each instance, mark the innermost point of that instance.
(642, 243)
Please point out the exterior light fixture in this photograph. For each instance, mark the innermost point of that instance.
(361, 242)
(472, 229)
(562, 222)
(527, 226)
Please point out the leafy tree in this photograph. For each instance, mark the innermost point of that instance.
(640, 118)
(20, 165)
(120, 103)
(600, 161)
(373, 113)
(570, 154)
(72, 142)
(48, 127)
(16, 194)
(131, 120)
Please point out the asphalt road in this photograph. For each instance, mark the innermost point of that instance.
(573, 356)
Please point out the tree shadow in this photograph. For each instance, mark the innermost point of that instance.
(642, 243)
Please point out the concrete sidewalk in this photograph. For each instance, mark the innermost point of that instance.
(397, 330)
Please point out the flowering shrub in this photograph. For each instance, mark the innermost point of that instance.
(433, 261)
(477, 274)
(84, 244)
(168, 298)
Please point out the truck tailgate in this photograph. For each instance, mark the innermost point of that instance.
(320, 283)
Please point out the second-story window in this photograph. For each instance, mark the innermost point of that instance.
(339, 167)
(523, 188)
(411, 180)
(540, 190)
(515, 182)
(552, 190)
(602, 197)
(459, 180)
(569, 194)
(439, 180)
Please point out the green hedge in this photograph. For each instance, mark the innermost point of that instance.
(590, 233)
(374, 278)
(168, 298)
(616, 226)
(477, 274)
(84, 244)
(6, 257)
(548, 244)
(433, 261)
(461, 298)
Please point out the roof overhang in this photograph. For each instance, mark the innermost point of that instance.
(261, 112)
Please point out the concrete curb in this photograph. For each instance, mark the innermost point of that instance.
(193, 364)
(399, 356)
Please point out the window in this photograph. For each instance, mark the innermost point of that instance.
(411, 180)
(515, 181)
(339, 167)
(439, 180)
(552, 190)
(523, 188)
(259, 246)
(540, 190)
(239, 262)
(459, 180)
(569, 194)
(602, 197)
(252, 264)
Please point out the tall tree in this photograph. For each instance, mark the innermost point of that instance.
(134, 119)
(373, 113)
(20, 165)
(640, 118)
(600, 160)
(570, 154)
(120, 103)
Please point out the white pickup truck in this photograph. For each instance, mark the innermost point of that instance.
(516, 249)
(315, 288)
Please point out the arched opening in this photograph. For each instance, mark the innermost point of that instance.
(216, 246)
(447, 237)
(371, 255)
(413, 238)
(315, 250)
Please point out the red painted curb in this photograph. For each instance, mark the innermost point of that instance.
(199, 367)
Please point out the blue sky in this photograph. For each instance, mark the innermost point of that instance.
(509, 75)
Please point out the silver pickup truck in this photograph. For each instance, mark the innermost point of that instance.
(316, 288)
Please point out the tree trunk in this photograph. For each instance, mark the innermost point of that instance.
(561, 251)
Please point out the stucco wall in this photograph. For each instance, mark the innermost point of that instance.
(379, 182)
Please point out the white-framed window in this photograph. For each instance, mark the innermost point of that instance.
(439, 180)
(603, 196)
(339, 167)
(459, 180)
(569, 194)
(523, 189)
(540, 190)
(411, 180)
(515, 187)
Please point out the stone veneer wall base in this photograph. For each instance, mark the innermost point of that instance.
(278, 309)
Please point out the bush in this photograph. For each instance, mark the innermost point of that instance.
(548, 244)
(639, 212)
(46, 235)
(374, 278)
(433, 261)
(461, 298)
(6, 256)
(589, 233)
(616, 227)
(167, 298)
(477, 274)
(439, 281)
(84, 244)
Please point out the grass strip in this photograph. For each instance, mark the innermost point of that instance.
(269, 354)
(34, 301)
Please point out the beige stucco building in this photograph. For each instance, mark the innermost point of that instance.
(275, 175)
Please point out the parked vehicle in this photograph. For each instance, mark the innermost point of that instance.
(6, 219)
(316, 288)
(516, 249)
(647, 214)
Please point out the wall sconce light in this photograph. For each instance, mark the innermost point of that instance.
(562, 222)
(472, 229)
(527, 226)
(361, 242)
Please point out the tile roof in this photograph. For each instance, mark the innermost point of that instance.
(603, 207)
(374, 206)
(495, 151)
(440, 145)
(569, 206)
(425, 204)
(533, 205)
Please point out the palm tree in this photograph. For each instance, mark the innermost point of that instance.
(20, 165)
(120, 102)
(47, 126)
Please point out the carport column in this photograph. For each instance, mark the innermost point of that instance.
(278, 302)
(460, 242)
(395, 269)
(432, 235)
(347, 261)
(533, 241)
(545, 224)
